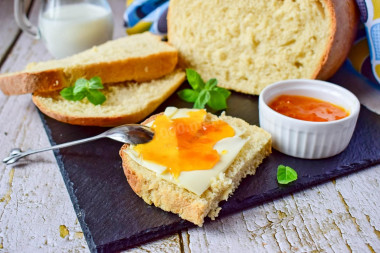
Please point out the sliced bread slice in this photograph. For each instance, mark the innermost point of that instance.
(140, 57)
(188, 205)
(248, 45)
(127, 102)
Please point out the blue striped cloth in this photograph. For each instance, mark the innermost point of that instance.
(366, 57)
(146, 15)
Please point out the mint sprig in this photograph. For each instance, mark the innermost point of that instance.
(85, 88)
(203, 94)
(286, 175)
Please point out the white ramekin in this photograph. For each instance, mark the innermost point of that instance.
(307, 139)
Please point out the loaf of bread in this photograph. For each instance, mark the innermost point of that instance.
(188, 205)
(140, 57)
(248, 45)
(126, 102)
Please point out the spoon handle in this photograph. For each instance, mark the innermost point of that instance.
(16, 153)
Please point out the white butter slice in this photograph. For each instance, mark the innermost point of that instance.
(149, 124)
(173, 113)
(196, 181)
(179, 113)
(170, 111)
(159, 169)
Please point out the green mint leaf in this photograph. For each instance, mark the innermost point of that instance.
(226, 93)
(217, 101)
(84, 88)
(195, 80)
(96, 97)
(188, 95)
(211, 84)
(81, 86)
(80, 82)
(202, 99)
(96, 83)
(285, 174)
(204, 93)
(67, 93)
(79, 96)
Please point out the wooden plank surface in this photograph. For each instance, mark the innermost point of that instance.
(9, 30)
(36, 214)
(34, 205)
(339, 216)
(35, 208)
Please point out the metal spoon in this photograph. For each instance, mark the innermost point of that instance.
(130, 133)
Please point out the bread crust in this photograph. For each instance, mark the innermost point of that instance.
(28, 82)
(345, 19)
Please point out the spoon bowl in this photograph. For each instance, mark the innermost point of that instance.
(131, 134)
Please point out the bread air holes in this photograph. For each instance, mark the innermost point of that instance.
(211, 33)
(243, 78)
(255, 42)
(301, 55)
(298, 64)
(249, 61)
(320, 8)
(222, 56)
(227, 76)
(313, 39)
(288, 43)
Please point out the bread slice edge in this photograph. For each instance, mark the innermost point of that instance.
(189, 206)
(137, 68)
(66, 116)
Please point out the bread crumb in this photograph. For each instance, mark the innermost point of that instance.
(63, 231)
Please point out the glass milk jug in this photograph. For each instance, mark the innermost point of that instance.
(68, 26)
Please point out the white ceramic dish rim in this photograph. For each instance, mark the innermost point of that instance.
(352, 99)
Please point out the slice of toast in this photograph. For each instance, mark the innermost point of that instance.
(140, 57)
(127, 102)
(188, 205)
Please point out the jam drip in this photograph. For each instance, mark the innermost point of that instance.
(185, 144)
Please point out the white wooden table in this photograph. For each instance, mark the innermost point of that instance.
(36, 214)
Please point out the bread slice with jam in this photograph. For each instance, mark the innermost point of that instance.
(171, 195)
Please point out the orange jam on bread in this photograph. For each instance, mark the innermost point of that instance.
(307, 108)
(185, 144)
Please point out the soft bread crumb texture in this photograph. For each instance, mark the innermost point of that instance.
(247, 44)
(139, 45)
(189, 206)
(127, 102)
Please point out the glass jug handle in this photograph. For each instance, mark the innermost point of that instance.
(23, 21)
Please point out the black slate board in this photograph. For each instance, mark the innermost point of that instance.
(114, 218)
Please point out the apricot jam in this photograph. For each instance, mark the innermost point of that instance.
(307, 108)
(185, 144)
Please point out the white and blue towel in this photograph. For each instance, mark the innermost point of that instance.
(146, 15)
